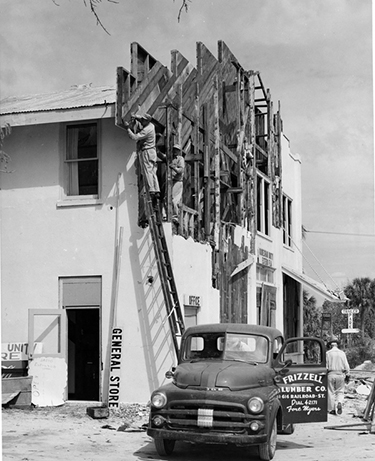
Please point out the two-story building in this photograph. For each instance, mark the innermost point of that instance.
(82, 301)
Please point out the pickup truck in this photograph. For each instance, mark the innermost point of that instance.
(239, 384)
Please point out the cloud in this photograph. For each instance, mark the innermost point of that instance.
(314, 55)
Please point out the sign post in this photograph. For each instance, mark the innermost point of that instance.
(350, 329)
(350, 313)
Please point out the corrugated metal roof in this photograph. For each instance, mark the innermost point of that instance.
(75, 97)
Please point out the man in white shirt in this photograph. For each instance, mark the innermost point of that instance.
(338, 368)
(145, 139)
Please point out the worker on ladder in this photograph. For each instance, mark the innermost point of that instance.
(177, 166)
(143, 132)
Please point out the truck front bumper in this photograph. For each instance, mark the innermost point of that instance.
(207, 437)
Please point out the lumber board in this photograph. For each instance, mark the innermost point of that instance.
(126, 83)
(149, 85)
(370, 406)
(205, 60)
(178, 78)
(17, 391)
(141, 61)
(178, 62)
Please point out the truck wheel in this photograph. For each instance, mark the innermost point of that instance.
(267, 450)
(164, 447)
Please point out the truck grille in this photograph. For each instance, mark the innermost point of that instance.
(217, 416)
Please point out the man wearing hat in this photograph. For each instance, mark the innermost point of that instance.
(145, 139)
(338, 369)
(177, 166)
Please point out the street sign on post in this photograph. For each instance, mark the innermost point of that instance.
(350, 330)
(350, 311)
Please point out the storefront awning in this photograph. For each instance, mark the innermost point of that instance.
(315, 286)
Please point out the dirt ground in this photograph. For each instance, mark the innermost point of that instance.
(69, 433)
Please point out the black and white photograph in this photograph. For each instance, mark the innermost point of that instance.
(187, 208)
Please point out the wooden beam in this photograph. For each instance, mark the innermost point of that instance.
(168, 147)
(234, 190)
(261, 83)
(126, 83)
(144, 90)
(230, 88)
(258, 148)
(217, 219)
(179, 115)
(196, 154)
(141, 61)
(178, 77)
(206, 168)
(194, 158)
(243, 265)
(228, 152)
(251, 171)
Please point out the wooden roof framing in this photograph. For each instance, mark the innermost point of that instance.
(222, 117)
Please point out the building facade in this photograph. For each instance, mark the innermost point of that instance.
(83, 311)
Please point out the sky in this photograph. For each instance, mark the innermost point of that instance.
(315, 56)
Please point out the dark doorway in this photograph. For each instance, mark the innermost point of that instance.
(291, 307)
(83, 354)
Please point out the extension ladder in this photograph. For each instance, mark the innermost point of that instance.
(154, 215)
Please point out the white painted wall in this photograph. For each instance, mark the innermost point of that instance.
(42, 241)
(282, 255)
(291, 170)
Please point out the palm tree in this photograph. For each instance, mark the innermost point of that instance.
(361, 293)
(311, 316)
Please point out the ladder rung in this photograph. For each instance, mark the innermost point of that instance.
(165, 268)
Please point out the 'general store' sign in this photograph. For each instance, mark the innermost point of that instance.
(115, 368)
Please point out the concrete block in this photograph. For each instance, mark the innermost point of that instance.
(98, 412)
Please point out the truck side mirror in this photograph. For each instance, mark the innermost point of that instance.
(285, 369)
(170, 373)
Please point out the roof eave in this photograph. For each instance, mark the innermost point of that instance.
(59, 116)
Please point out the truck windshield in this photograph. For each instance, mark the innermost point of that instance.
(249, 348)
(230, 346)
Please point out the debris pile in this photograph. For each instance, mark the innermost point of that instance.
(362, 378)
(133, 417)
(359, 389)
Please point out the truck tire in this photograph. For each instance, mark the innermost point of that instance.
(267, 450)
(164, 447)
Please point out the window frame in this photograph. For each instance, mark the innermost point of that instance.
(287, 221)
(263, 215)
(71, 200)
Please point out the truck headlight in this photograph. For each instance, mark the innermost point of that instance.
(158, 420)
(255, 405)
(159, 400)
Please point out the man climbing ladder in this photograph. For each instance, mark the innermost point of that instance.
(143, 132)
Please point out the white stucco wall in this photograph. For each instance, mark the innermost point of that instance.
(42, 241)
(292, 187)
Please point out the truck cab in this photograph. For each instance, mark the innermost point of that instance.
(239, 384)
